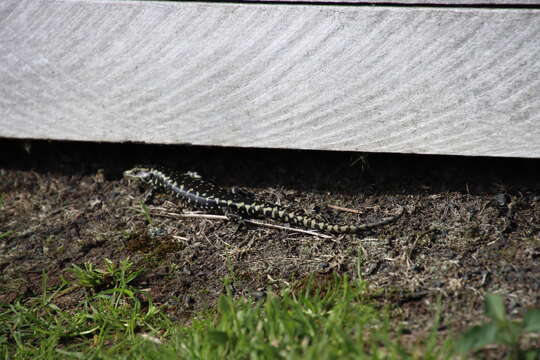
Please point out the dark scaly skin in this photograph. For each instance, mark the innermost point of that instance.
(191, 188)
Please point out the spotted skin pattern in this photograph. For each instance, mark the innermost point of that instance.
(191, 188)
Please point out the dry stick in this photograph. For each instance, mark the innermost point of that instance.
(290, 229)
(354, 211)
(223, 217)
(191, 215)
(181, 238)
(340, 208)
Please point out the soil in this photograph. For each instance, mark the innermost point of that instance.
(470, 226)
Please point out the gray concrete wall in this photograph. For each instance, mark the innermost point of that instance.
(363, 78)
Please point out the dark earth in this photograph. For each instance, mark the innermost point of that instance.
(470, 226)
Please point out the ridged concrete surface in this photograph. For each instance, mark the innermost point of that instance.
(420, 80)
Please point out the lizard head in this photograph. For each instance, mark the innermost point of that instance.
(143, 173)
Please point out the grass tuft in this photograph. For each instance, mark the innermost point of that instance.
(321, 319)
(330, 323)
(105, 321)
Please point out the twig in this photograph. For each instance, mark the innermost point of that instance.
(340, 208)
(191, 215)
(274, 226)
(223, 217)
(181, 238)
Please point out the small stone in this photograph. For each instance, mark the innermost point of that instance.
(155, 232)
(372, 268)
(95, 203)
(324, 265)
(501, 199)
(259, 295)
(189, 300)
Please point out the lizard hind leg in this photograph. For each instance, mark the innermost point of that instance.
(151, 193)
(149, 196)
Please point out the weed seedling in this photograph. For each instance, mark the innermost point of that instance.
(501, 330)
